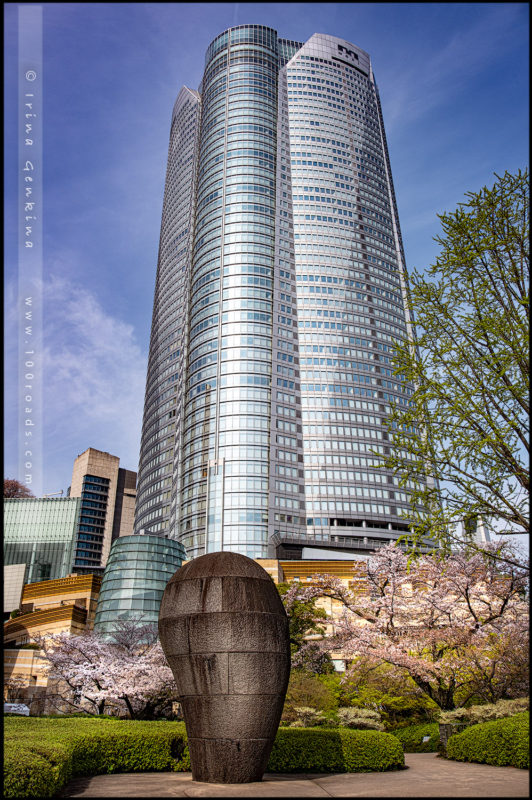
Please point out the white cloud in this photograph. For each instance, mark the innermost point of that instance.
(93, 378)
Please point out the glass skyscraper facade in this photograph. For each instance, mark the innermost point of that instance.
(280, 289)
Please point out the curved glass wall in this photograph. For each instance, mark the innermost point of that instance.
(227, 402)
(137, 571)
(163, 405)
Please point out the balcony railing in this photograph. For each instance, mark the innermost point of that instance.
(338, 542)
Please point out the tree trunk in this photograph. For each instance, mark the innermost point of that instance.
(125, 698)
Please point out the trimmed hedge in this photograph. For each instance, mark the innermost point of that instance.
(334, 750)
(501, 742)
(42, 754)
(411, 738)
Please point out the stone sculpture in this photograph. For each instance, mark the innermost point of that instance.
(224, 632)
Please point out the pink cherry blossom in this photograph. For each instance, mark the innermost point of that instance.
(128, 670)
(456, 624)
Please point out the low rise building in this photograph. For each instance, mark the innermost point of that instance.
(137, 572)
(47, 607)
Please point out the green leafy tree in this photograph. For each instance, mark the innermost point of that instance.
(461, 446)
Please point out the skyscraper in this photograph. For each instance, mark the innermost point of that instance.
(280, 289)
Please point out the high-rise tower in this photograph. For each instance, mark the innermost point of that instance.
(280, 288)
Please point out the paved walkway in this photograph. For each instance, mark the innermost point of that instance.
(426, 776)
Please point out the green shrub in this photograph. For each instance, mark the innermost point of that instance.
(502, 742)
(27, 774)
(411, 738)
(399, 701)
(334, 750)
(310, 691)
(41, 754)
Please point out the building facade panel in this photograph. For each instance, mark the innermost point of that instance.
(41, 533)
(14, 575)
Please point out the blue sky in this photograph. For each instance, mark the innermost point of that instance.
(453, 80)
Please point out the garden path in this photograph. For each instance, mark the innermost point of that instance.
(426, 776)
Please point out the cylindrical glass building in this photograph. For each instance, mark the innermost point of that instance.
(137, 571)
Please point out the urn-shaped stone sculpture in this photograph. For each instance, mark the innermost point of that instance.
(224, 631)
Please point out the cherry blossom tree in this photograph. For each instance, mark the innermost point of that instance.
(457, 625)
(125, 669)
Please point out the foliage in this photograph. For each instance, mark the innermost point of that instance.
(487, 712)
(28, 774)
(501, 742)
(304, 620)
(361, 718)
(307, 690)
(126, 669)
(42, 755)
(14, 488)
(412, 738)
(333, 683)
(458, 626)
(337, 750)
(303, 617)
(370, 684)
(470, 371)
